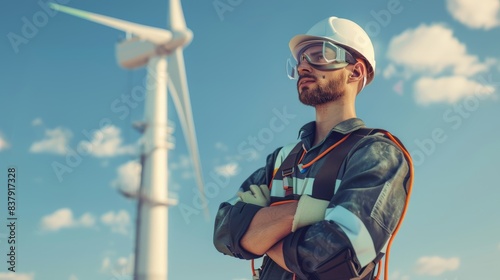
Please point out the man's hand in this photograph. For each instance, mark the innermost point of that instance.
(309, 211)
(258, 195)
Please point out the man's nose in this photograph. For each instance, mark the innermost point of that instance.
(303, 64)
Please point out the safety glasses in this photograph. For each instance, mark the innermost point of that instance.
(322, 55)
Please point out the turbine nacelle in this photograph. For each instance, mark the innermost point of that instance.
(136, 52)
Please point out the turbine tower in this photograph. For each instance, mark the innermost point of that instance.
(154, 48)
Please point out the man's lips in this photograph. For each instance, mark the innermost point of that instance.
(306, 80)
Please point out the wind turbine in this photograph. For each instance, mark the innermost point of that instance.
(151, 46)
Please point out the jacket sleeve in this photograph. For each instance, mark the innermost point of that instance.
(234, 216)
(361, 216)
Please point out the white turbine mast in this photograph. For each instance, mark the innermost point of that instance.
(150, 46)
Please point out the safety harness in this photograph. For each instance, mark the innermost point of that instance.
(329, 172)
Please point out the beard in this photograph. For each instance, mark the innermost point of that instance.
(321, 94)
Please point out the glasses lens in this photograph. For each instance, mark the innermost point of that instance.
(320, 53)
(291, 68)
(331, 53)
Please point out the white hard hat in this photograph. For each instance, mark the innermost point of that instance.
(342, 32)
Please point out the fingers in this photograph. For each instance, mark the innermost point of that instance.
(265, 192)
(261, 191)
(258, 195)
(245, 196)
(257, 192)
(240, 195)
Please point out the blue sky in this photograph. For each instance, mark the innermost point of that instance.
(436, 88)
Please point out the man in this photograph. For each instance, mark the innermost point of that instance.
(324, 208)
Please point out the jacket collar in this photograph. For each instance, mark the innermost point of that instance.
(306, 133)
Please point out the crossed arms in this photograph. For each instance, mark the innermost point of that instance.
(360, 217)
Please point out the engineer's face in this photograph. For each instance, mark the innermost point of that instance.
(317, 87)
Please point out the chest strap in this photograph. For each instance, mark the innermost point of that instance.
(288, 168)
(328, 173)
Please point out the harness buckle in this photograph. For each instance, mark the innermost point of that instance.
(287, 177)
(287, 172)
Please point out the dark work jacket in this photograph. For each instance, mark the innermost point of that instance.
(369, 197)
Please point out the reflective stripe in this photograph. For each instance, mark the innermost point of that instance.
(356, 231)
(337, 185)
(277, 189)
(301, 186)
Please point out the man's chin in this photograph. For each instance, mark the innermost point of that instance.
(312, 98)
(304, 90)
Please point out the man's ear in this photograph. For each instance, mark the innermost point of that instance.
(359, 74)
(358, 71)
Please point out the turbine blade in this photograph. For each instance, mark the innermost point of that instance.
(180, 95)
(153, 34)
(177, 21)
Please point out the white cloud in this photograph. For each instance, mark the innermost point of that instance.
(221, 147)
(16, 276)
(129, 177)
(63, 218)
(187, 174)
(396, 275)
(443, 68)
(106, 264)
(122, 261)
(449, 89)
(252, 155)
(73, 277)
(227, 170)
(86, 220)
(182, 167)
(3, 143)
(119, 222)
(121, 267)
(107, 142)
(399, 87)
(469, 13)
(435, 265)
(184, 162)
(431, 50)
(55, 142)
(389, 71)
(37, 122)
